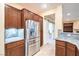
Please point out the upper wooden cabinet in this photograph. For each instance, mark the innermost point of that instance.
(26, 14)
(19, 25)
(35, 17)
(12, 17)
(68, 27)
(71, 49)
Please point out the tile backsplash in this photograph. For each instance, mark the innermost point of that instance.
(13, 32)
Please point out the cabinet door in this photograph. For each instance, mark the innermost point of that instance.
(77, 52)
(10, 17)
(20, 50)
(35, 17)
(19, 19)
(70, 52)
(71, 49)
(11, 51)
(68, 27)
(60, 50)
(28, 15)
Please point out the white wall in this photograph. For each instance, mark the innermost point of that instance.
(58, 20)
(45, 29)
(75, 26)
(72, 8)
(46, 34)
(1, 29)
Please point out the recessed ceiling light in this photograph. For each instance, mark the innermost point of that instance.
(68, 14)
(44, 5)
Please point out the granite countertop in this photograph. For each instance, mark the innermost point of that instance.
(69, 37)
(71, 40)
(13, 39)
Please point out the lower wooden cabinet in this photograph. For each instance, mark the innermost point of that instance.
(64, 48)
(15, 48)
(77, 52)
(60, 50)
(20, 50)
(70, 49)
(11, 51)
(70, 52)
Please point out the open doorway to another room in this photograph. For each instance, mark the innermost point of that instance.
(49, 29)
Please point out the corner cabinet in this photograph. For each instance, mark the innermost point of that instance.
(15, 48)
(12, 17)
(64, 48)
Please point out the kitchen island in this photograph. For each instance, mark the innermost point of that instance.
(67, 45)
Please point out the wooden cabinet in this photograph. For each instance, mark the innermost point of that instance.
(77, 52)
(68, 27)
(27, 14)
(60, 48)
(19, 25)
(35, 17)
(41, 30)
(12, 17)
(70, 49)
(15, 48)
(64, 48)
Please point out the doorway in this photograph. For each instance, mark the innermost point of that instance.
(50, 32)
(48, 48)
(49, 28)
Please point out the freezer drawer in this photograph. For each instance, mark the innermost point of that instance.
(34, 48)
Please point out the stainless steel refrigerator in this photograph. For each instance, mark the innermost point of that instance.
(32, 30)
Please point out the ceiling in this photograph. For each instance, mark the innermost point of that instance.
(72, 9)
(37, 7)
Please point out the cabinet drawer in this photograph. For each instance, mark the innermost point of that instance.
(20, 42)
(61, 43)
(10, 45)
(71, 46)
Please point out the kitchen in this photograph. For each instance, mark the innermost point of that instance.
(25, 31)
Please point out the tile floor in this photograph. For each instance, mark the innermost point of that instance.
(47, 50)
